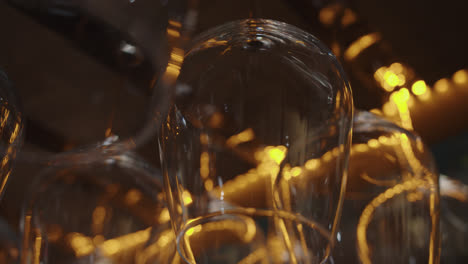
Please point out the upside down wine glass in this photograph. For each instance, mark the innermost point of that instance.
(97, 210)
(391, 204)
(93, 68)
(259, 107)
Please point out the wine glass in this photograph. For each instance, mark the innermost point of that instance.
(11, 129)
(257, 107)
(226, 238)
(98, 72)
(391, 204)
(95, 210)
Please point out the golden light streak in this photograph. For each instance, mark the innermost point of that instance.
(305, 251)
(193, 230)
(409, 154)
(176, 259)
(27, 235)
(268, 159)
(369, 179)
(37, 249)
(285, 193)
(215, 42)
(300, 42)
(108, 132)
(360, 45)
(110, 247)
(5, 115)
(173, 67)
(174, 23)
(277, 154)
(177, 55)
(366, 216)
(376, 111)
(164, 240)
(312, 164)
(187, 246)
(287, 241)
(242, 137)
(373, 143)
(113, 246)
(400, 98)
(15, 133)
(296, 171)
(5, 180)
(204, 165)
(383, 140)
(173, 33)
(244, 230)
(173, 70)
(414, 196)
(360, 148)
(5, 161)
(328, 156)
(460, 77)
(286, 172)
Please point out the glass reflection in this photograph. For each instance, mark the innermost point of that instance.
(91, 211)
(391, 204)
(257, 104)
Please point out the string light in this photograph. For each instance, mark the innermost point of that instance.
(360, 45)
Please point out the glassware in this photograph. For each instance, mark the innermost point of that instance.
(91, 211)
(11, 129)
(226, 238)
(93, 68)
(391, 206)
(258, 104)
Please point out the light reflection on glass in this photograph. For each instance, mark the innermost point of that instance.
(243, 139)
(391, 202)
(112, 219)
